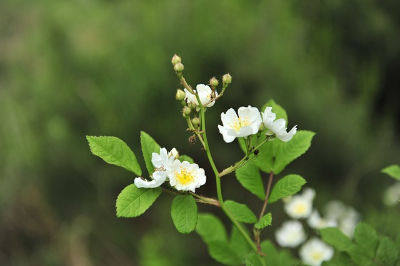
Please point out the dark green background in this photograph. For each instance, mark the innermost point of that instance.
(75, 68)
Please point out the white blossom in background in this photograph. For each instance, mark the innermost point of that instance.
(290, 234)
(300, 205)
(315, 251)
(247, 123)
(204, 93)
(162, 163)
(186, 176)
(345, 216)
(316, 222)
(277, 127)
(392, 195)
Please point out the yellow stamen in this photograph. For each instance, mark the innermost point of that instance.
(185, 176)
(238, 123)
(317, 256)
(300, 208)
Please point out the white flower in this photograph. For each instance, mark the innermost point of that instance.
(186, 176)
(392, 195)
(315, 221)
(204, 93)
(314, 252)
(277, 127)
(345, 216)
(174, 154)
(291, 234)
(248, 123)
(162, 163)
(300, 206)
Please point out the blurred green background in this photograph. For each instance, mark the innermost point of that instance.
(75, 68)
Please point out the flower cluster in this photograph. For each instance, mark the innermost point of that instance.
(292, 233)
(182, 176)
(249, 121)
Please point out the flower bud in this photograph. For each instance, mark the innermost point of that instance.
(176, 59)
(214, 82)
(226, 79)
(178, 67)
(196, 122)
(262, 128)
(174, 153)
(192, 105)
(180, 95)
(186, 111)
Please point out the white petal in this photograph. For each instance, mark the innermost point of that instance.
(268, 117)
(161, 159)
(225, 134)
(159, 178)
(287, 136)
(228, 117)
(201, 88)
(249, 111)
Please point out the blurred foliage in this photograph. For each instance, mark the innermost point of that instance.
(75, 68)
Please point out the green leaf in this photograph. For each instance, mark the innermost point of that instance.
(133, 201)
(114, 151)
(242, 144)
(253, 259)
(367, 238)
(272, 254)
(250, 178)
(186, 158)
(210, 228)
(266, 156)
(393, 171)
(240, 211)
(222, 252)
(184, 213)
(276, 108)
(287, 186)
(387, 252)
(291, 150)
(358, 256)
(335, 237)
(238, 243)
(264, 222)
(149, 145)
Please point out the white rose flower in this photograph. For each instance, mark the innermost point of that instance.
(345, 216)
(300, 206)
(162, 163)
(247, 123)
(186, 176)
(290, 234)
(277, 127)
(204, 93)
(392, 195)
(315, 221)
(314, 252)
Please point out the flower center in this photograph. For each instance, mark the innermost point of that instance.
(300, 209)
(317, 256)
(185, 176)
(238, 123)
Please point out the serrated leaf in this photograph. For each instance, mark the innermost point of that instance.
(393, 171)
(149, 145)
(133, 201)
(265, 221)
(186, 158)
(367, 238)
(238, 243)
(358, 256)
(387, 252)
(291, 150)
(287, 186)
(276, 108)
(222, 252)
(241, 212)
(114, 151)
(184, 213)
(250, 178)
(266, 156)
(335, 237)
(253, 259)
(210, 228)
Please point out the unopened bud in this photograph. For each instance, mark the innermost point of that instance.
(214, 82)
(192, 105)
(226, 79)
(180, 95)
(196, 122)
(186, 111)
(178, 67)
(176, 59)
(173, 153)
